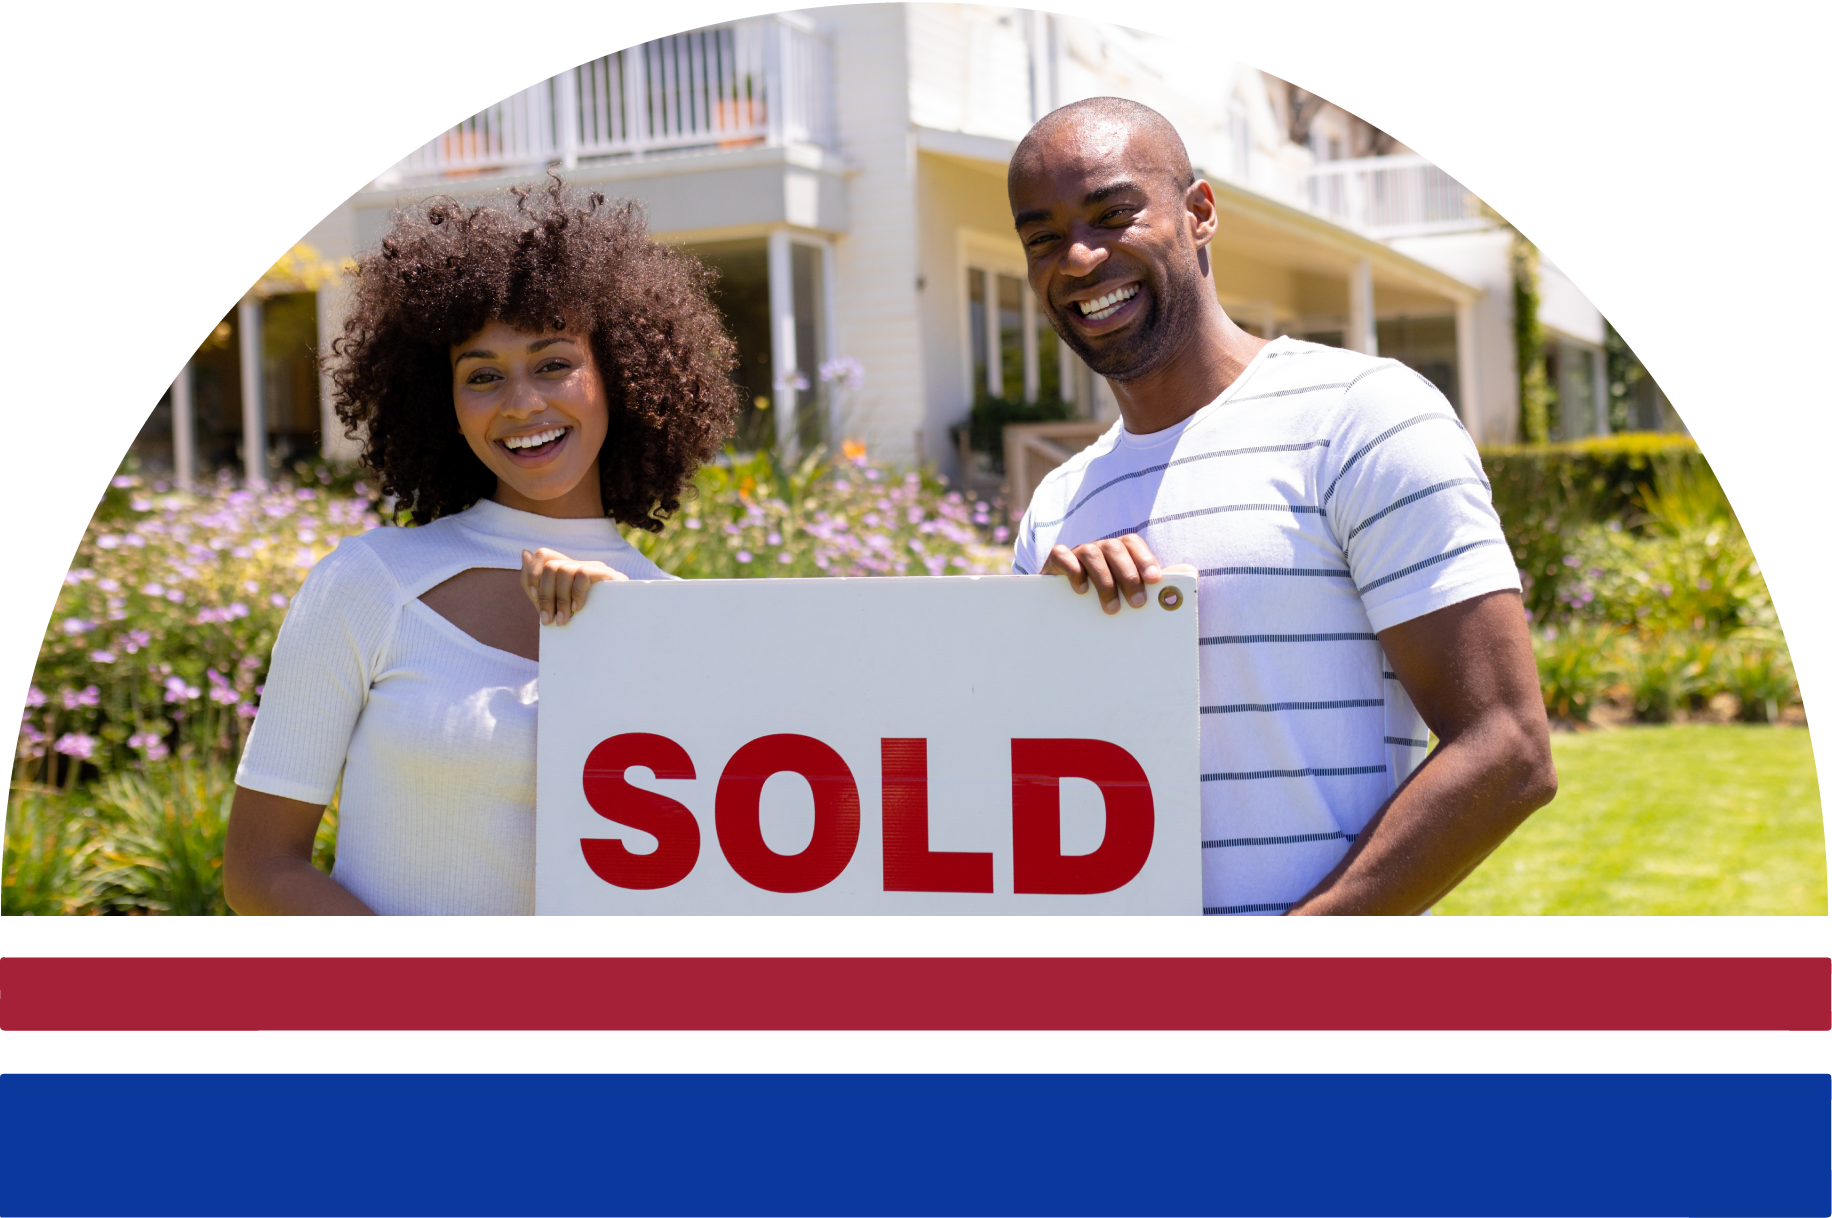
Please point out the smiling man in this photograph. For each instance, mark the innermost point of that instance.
(1354, 586)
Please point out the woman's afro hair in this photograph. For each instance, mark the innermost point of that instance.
(553, 262)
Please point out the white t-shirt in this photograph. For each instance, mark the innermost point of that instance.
(1324, 497)
(432, 731)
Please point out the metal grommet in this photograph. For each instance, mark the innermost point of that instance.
(1170, 598)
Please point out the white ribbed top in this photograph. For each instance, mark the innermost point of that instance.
(432, 731)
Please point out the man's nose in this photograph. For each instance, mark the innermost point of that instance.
(1083, 258)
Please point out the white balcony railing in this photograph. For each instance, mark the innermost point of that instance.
(763, 81)
(1393, 196)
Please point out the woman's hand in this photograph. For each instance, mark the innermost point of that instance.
(558, 585)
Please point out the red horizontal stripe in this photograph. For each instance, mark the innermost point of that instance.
(883, 993)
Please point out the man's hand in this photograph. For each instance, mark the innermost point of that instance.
(1115, 568)
(558, 585)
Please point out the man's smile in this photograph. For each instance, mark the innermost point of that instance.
(1108, 311)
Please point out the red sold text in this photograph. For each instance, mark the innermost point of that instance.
(1037, 769)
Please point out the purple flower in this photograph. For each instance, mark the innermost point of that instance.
(175, 596)
(77, 745)
(108, 585)
(177, 691)
(1001, 533)
(107, 541)
(785, 556)
(76, 625)
(136, 639)
(102, 655)
(154, 589)
(122, 481)
(277, 601)
(743, 556)
(245, 711)
(35, 697)
(846, 370)
(774, 538)
(150, 744)
(1572, 560)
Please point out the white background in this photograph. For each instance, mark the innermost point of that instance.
(967, 663)
(1665, 157)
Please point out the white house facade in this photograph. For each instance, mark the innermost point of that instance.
(844, 169)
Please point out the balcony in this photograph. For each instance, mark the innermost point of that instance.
(1393, 196)
(761, 82)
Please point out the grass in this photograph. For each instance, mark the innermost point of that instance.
(1688, 819)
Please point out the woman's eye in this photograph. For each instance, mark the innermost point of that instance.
(483, 376)
(554, 365)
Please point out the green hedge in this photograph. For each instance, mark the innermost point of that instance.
(1546, 493)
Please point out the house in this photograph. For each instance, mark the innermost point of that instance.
(844, 169)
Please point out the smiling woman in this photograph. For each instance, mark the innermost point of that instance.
(523, 380)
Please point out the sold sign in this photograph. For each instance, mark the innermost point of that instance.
(970, 745)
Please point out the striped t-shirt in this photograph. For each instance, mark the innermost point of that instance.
(1325, 496)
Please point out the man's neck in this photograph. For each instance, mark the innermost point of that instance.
(1219, 351)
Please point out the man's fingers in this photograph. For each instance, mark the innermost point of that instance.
(1142, 558)
(1062, 561)
(1094, 561)
(1126, 580)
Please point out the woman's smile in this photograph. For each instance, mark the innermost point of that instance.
(535, 448)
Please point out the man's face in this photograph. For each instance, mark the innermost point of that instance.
(1106, 234)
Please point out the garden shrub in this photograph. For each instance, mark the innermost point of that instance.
(49, 841)
(754, 517)
(162, 848)
(1754, 667)
(989, 417)
(1545, 493)
(1577, 664)
(160, 637)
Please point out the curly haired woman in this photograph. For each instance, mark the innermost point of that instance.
(523, 380)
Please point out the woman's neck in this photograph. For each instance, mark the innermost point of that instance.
(585, 501)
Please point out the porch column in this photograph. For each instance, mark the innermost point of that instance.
(1361, 336)
(184, 430)
(1599, 368)
(1469, 405)
(254, 407)
(784, 399)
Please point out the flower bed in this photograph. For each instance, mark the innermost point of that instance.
(151, 669)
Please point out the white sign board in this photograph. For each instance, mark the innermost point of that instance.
(990, 744)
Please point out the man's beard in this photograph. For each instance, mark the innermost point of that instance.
(1153, 339)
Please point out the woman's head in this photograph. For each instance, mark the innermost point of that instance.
(633, 320)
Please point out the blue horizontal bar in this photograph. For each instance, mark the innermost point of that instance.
(916, 1144)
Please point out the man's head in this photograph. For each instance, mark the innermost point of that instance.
(1113, 223)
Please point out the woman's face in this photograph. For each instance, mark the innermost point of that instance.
(532, 408)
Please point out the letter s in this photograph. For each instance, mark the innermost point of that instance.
(677, 833)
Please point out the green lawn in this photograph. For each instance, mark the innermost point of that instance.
(1689, 819)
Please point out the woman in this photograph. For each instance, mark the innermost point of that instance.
(523, 380)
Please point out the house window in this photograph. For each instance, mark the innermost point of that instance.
(1012, 351)
(742, 293)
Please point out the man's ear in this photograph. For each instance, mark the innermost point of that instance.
(1199, 202)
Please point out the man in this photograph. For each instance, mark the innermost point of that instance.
(1354, 584)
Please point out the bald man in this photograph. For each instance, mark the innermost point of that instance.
(1354, 586)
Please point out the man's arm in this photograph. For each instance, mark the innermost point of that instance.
(1469, 670)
